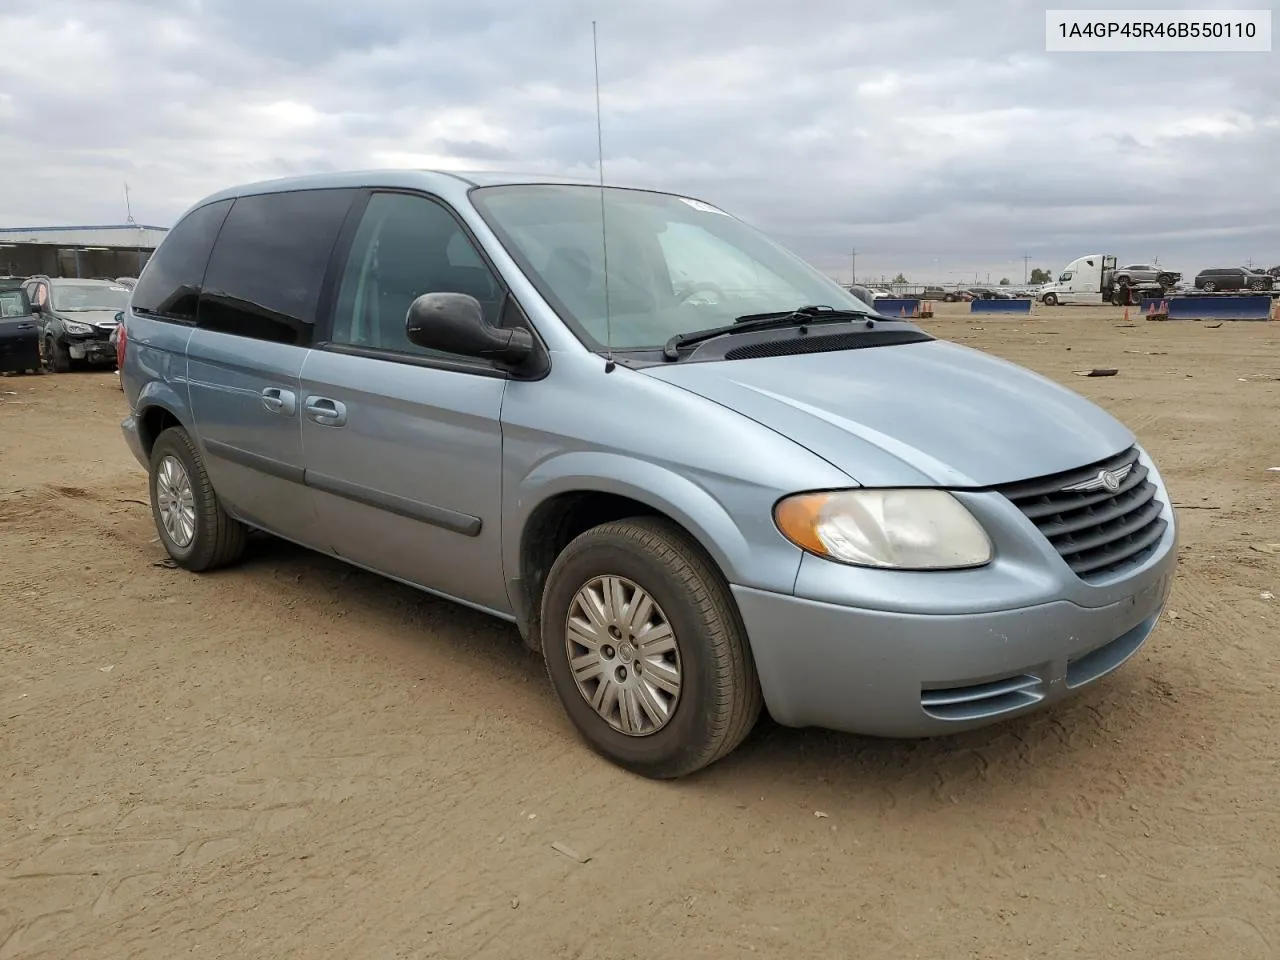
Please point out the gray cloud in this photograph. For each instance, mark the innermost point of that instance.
(939, 140)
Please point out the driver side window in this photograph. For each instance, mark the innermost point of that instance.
(406, 246)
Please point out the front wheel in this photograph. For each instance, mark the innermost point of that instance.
(57, 357)
(196, 532)
(1050, 300)
(646, 650)
(1257, 285)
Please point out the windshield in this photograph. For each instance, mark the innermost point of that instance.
(81, 297)
(675, 265)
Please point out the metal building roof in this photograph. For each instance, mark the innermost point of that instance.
(126, 235)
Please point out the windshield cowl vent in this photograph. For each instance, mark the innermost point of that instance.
(826, 343)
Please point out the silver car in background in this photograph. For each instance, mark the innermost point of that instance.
(699, 476)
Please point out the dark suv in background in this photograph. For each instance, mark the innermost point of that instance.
(1233, 278)
(77, 318)
(19, 340)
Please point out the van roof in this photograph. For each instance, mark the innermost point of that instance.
(445, 181)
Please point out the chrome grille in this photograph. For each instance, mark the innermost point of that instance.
(1097, 531)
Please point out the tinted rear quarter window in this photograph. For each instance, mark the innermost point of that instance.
(269, 263)
(170, 282)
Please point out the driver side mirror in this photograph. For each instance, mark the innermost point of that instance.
(455, 323)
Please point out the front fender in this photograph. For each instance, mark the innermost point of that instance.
(750, 553)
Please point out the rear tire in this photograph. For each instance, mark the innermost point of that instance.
(183, 500)
(718, 699)
(1210, 286)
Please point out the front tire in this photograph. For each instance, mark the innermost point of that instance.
(1050, 300)
(57, 357)
(196, 532)
(646, 650)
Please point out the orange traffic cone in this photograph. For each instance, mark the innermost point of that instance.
(1126, 314)
(902, 312)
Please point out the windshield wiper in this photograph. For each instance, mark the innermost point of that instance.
(764, 321)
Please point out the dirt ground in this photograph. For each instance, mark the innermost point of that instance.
(294, 759)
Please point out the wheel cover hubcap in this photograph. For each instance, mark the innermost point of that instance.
(176, 502)
(624, 655)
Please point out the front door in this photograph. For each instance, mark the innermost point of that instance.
(403, 445)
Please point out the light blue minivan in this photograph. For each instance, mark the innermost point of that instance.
(699, 476)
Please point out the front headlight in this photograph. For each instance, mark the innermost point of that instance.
(897, 529)
(74, 326)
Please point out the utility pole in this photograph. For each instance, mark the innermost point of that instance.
(1025, 260)
(853, 267)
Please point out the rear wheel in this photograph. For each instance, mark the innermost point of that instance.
(646, 650)
(196, 532)
(1210, 286)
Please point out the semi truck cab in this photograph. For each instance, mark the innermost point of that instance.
(1092, 279)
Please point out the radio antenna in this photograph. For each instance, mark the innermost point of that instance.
(604, 232)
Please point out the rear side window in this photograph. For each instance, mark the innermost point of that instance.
(269, 262)
(170, 283)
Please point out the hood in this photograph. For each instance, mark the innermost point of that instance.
(919, 414)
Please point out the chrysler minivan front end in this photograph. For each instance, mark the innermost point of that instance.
(920, 611)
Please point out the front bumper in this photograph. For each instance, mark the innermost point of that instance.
(90, 349)
(890, 674)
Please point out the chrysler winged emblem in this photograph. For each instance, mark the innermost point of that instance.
(1104, 480)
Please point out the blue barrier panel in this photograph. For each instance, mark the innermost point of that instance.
(1000, 306)
(1213, 307)
(893, 306)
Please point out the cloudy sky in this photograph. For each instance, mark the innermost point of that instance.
(936, 142)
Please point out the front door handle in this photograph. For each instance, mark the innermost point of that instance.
(326, 412)
(276, 400)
